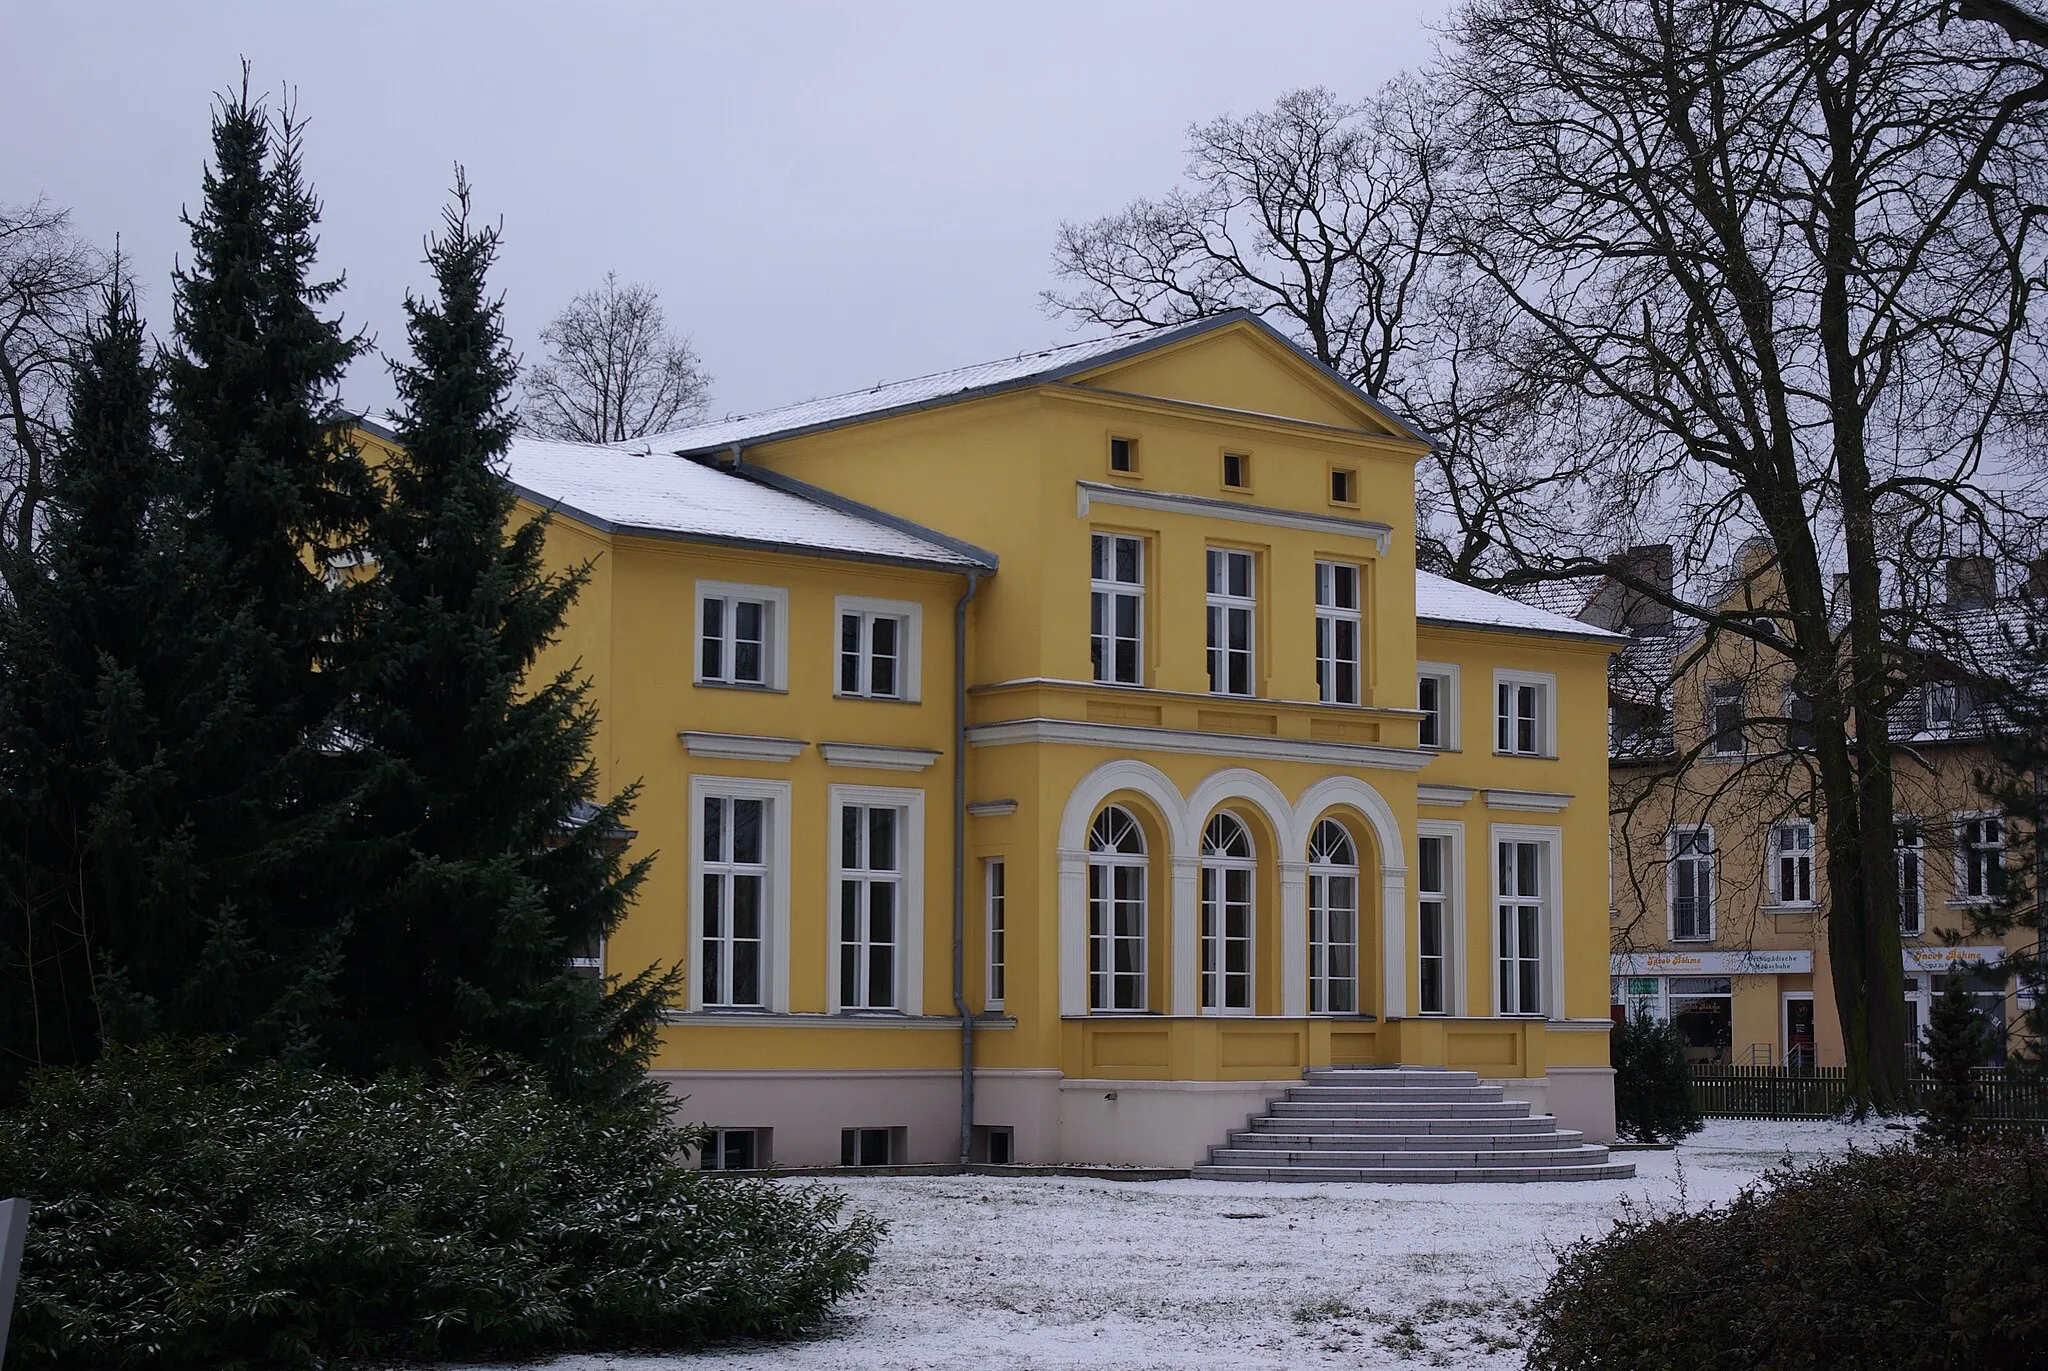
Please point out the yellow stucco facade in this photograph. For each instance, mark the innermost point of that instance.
(1130, 994)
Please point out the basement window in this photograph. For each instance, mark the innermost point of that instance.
(736, 1149)
(870, 1146)
(996, 1146)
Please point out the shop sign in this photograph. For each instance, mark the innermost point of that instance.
(1754, 962)
(1942, 958)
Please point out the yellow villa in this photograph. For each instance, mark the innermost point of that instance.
(1052, 760)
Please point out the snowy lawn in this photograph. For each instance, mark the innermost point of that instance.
(1059, 1272)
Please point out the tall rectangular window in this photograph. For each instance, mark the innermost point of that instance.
(1432, 887)
(1340, 631)
(1519, 927)
(997, 933)
(870, 905)
(872, 647)
(1692, 885)
(1232, 603)
(1798, 721)
(1725, 716)
(1116, 611)
(1980, 858)
(1908, 848)
(735, 905)
(1792, 865)
(1522, 717)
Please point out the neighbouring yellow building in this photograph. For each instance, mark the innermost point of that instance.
(1084, 715)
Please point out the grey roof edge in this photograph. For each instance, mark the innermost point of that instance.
(555, 505)
(978, 557)
(371, 426)
(1589, 635)
(1138, 347)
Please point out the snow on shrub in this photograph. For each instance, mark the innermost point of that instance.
(189, 1213)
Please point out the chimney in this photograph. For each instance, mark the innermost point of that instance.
(1650, 562)
(1972, 582)
(2037, 578)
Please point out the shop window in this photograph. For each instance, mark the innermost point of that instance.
(1702, 1012)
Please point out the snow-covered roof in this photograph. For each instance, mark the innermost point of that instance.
(1439, 600)
(668, 496)
(961, 383)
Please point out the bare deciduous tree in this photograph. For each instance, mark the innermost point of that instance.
(48, 284)
(1775, 263)
(614, 371)
(1321, 216)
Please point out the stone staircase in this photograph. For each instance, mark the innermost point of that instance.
(1405, 1123)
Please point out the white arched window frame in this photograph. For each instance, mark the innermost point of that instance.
(1117, 913)
(1230, 870)
(1332, 920)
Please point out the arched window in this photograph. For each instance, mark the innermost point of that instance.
(1332, 920)
(1116, 911)
(1229, 867)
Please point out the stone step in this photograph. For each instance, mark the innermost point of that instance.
(1417, 1109)
(1389, 1075)
(1610, 1171)
(1300, 1123)
(1395, 1094)
(1404, 1159)
(1423, 1142)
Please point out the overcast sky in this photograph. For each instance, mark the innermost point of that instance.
(826, 196)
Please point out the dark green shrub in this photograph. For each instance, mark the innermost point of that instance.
(1652, 1085)
(1898, 1260)
(188, 1214)
(1956, 1040)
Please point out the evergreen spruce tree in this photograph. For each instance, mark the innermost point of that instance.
(78, 741)
(493, 862)
(1652, 1084)
(1954, 1042)
(242, 931)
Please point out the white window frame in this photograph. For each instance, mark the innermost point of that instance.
(1320, 874)
(910, 936)
(1107, 592)
(727, 871)
(1780, 898)
(1329, 617)
(910, 646)
(1456, 989)
(1903, 826)
(775, 956)
(1545, 714)
(1213, 886)
(1445, 674)
(1550, 963)
(1717, 693)
(1964, 855)
(715, 1148)
(1672, 857)
(995, 894)
(775, 641)
(1110, 862)
(1227, 604)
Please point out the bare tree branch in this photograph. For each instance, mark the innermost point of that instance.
(614, 371)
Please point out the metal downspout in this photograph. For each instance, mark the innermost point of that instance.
(960, 867)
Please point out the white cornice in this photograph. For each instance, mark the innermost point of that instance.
(876, 757)
(1538, 801)
(1444, 796)
(992, 809)
(1096, 492)
(1139, 738)
(742, 747)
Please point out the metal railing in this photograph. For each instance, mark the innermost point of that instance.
(1821, 1092)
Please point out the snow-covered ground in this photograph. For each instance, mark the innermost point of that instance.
(1066, 1273)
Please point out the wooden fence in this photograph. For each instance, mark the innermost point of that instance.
(1781, 1092)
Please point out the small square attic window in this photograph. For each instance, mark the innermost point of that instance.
(1123, 455)
(1343, 486)
(1237, 471)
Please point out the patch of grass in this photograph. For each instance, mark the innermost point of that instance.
(1328, 1309)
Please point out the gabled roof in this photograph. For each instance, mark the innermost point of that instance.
(971, 383)
(664, 496)
(1451, 604)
